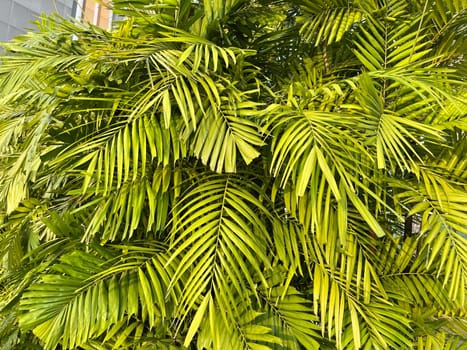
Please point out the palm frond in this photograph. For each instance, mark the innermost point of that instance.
(392, 135)
(290, 316)
(330, 25)
(83, 287)
(220, 250)
(441, 209)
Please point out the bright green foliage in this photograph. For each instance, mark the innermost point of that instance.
(242, 174)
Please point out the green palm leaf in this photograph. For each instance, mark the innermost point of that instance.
(85, 289)
(220, 250)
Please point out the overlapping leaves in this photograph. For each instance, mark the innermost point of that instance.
(220, 236)
(198, 179)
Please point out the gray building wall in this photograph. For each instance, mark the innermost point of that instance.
(16, 15)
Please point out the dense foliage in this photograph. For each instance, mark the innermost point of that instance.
(242, 174)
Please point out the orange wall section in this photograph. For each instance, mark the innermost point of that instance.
(96, 14)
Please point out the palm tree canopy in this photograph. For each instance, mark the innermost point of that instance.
(241, 174)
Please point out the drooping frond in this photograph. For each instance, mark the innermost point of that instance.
(290, 316)
(84, 289)
(326, 23)
(221, 239)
